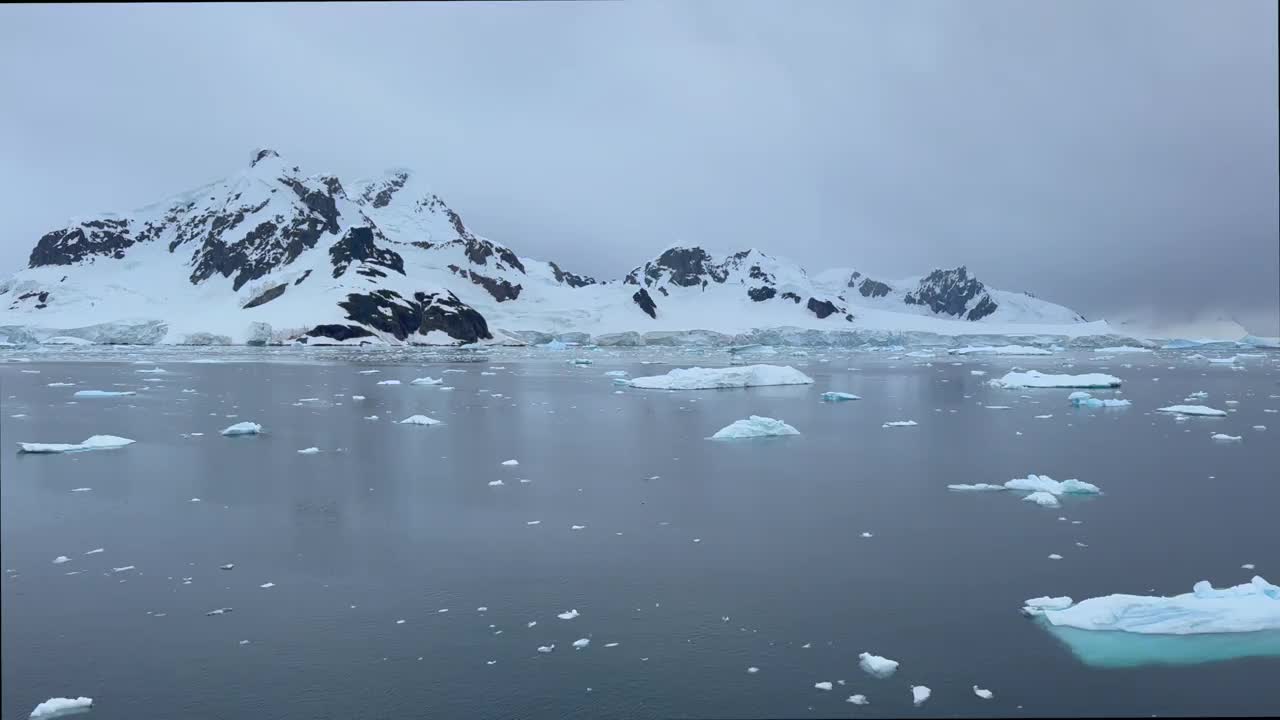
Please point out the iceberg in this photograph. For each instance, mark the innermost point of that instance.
(857, 699)
(1228, 438)
(419, 420)
(999, 350)
(876, 665)
(1044, 483)
(976, 487)
(1037, 606)
(920, 693)
(823, 685)
(309, 451)
(1036, 379)
(899, 423)
(569, 614)
(1193, 410)
(697, 378)
(243, 428)
(581, 643)
(753, 427)
(59, 707)
(839, 396)
(1250, 607)
(1042, 498)
(1084, 399)
(426, 381)
(96, 442)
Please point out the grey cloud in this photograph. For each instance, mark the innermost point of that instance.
(1115, 157)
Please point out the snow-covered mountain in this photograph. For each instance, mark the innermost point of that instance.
(273, 255)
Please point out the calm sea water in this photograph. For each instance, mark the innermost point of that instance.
(698, 558)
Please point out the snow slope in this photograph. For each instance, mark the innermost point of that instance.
(271, 255)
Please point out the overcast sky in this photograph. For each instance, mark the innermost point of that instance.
(1117, 157)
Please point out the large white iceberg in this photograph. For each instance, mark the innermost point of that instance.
(96, 442)
(1037, 379)
(1043, 490)
(1193, 410)
(102, 393)
(697, 378)
(877, 665)
(57, 707)
(242, 428)
(1250, 607)
(754, 426)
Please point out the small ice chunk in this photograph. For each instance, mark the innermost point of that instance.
(857, 699)
(309, 451)
(577, 527)
(81, 489)
(96, 442)
(1224, 436)
(753, 670)
(1247, 566)
(534, 522)
(546, 648)
(59, 706)
(1042, 498)
(920, 693)
(877, 665)
(1043, 417)
(976, 487)
(1055, 556)
(839, 396)
(612, 644)
(1038, 605)
(983, 693)
(388, 382)
(61, 559)
(228, 566)
(102, 393)
(267, 585)
(219, 611)
(426, 381)
(371, 417)
(419, 420)
(369, 372)
(581, 643)
(899, 423)
(753, 427)
(616, 373)
(1036, 379)
(741, 376)
(823, 685)
(866, 534)
(568, 614)
(495, 483)
(1193, 410)
(243, 428)
(510, 462)
(357, 397)
(95, 551)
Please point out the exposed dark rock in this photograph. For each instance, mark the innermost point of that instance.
(422, 244)
(105, 238)
(317, 202)
(477, 252)
(848, 318)
(339, 333)
(458, 271)
(267, 296)
(646, 303)
(821, 309)
(688, 266)
(263, 153)
(359, 244)
(949, 291)
(985, 307)
(762, 293)
(385, 192)
(873, 288)
(305, 275)
(664, 292)
(452, 316)
(510, 258)
(387, 311)
(501, 290)
(571, 279)
(370, 271)
(757, 274)
(791, 296)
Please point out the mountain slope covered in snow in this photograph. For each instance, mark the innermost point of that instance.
(272, 255)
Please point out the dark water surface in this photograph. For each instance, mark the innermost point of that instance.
(394, 522)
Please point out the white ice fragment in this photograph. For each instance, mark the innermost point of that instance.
(419, 420)
(1247, 566)
(61, 559)
(81, 489)
(1055, 556)
(534, 522)
(920, 693)
(839, 396)
(426, 381)
(309, 451)
(983, 693)
(102, 393)
(866, 534)
(899, 423)
(822, 685)
(697, 378)
(877, 665)
(577, 527)
(96, 442)
(568, 614)
(357, 397)
(1036, 379)
(1042, 498)
(510, 462)
(267, 585)
(59, 706)
(243, 428)
(581, 643)
(612, 644)
(122, 569)
(369, 372)
(753, 670)
(1228, 438)
(1193, 410)
(1043, 417)
(857, 699)
(976, 487)
(95, 551)
(495, 483)
(977, 372)
(546, 648)
(388, 382)
(999, 350)
(753, 427)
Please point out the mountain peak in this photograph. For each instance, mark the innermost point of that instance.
(261, 153)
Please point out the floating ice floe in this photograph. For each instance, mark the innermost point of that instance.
(857, 699)
(577, 527)
(495, 483)
(267, 585)
(219, 611)
(1036, 379)
(568, 614)
(920, 693)
(96, 442)
(510, 463)
(1123, 349)
(899, 423)
(1055, 556)
(388, 382)
(124, 569)
(742, 376)
(753, 670)
(1043, 499)
(839, 396)
(61, 559)
(1250, 607)
(419, 420)
(823, 685)
(426, 381)
(243, 428)
(60, 384)
(81, 489)
(152, 371)
(357, 397)
(95, 551)
(753, 427)
(977, 372)
(581, 643)
(1084, 399)
(369, 372)
(60, 706)
(1227, 438)
(876, 665)
(309, 451)
(1193, 410)
(999, 350)
(1043, 417)
(983, 693)
(616, 373)
(546, 648)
